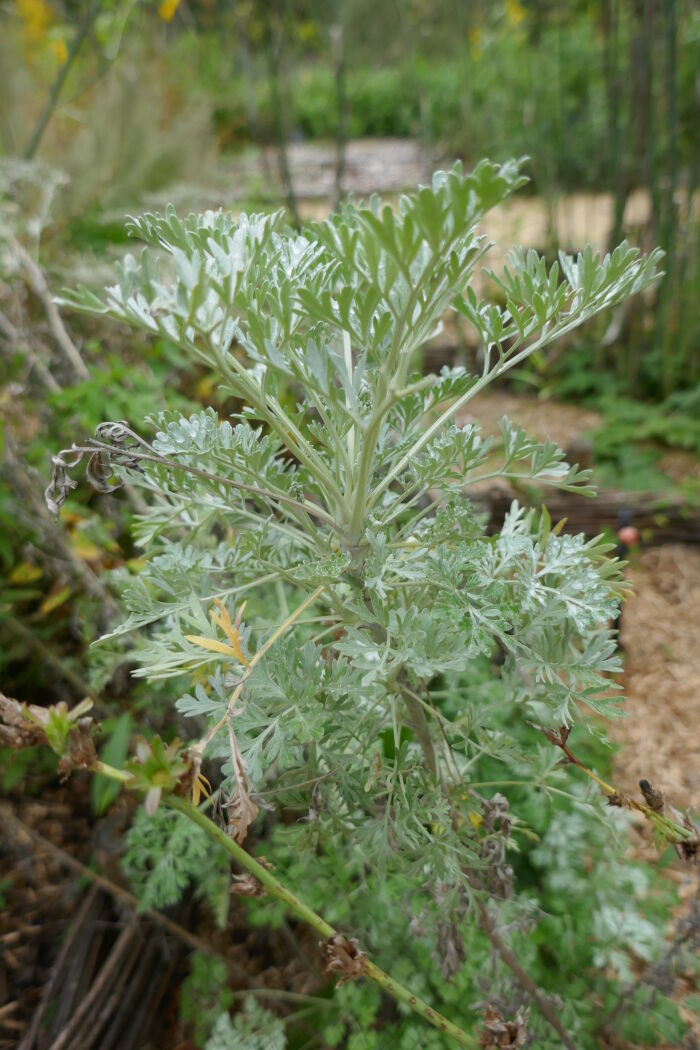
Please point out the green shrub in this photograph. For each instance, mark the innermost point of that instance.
(357, 653)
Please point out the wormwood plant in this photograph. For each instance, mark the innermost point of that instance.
(316, 567)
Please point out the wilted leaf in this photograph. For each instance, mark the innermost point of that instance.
(212, 645)
(54, 601)
(499, 1034)
(25, 572)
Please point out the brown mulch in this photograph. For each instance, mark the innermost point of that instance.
(660, 737)
(661, 638)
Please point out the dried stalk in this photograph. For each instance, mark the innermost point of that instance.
(61, 77)
(38, 284)
(682, 836)
(30, 1035)
(109, 971)
(526, 982)
(120, 894)
(16, 341)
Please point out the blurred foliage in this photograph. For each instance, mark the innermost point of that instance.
(603, 95)
(54, 597)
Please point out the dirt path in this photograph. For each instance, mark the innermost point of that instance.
(389, 166)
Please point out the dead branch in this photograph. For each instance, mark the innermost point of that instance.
(523, 978)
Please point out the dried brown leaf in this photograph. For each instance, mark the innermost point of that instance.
(500, 1034)
(241, 812)
(343, 956)
(246, 885)
(81, 749)
(15, 731)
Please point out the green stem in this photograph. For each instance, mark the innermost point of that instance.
(667, 827)
(276, 889)
(60, 80)
(255, 490)
(503, 366)
(268, 880)
(274, 415)
(391, 378)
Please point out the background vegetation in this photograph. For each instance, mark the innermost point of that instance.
(114, 107)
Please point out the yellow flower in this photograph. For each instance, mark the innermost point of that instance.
(167, 9)
(59, 50)
(514, 12)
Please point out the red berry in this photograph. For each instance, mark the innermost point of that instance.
(628, 535)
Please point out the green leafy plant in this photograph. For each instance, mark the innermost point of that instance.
(255, 1029)
(165, 854)
(204, 995)
(319, 571)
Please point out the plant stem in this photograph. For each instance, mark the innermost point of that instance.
(279, 100)
(37, 282)
(667, 827)
(338, 57)
(271, 884)
(255, 490)
(46, 655)
(277, 419)
(419, 724)
(547, 335)
(276, 889)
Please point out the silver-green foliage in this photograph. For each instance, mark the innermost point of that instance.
(322, 482)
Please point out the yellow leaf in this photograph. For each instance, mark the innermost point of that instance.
(212, 644)
(52, 601)
(200, 787)
(475, 819)
(25, 572)
(85, 548)
(224, 622)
